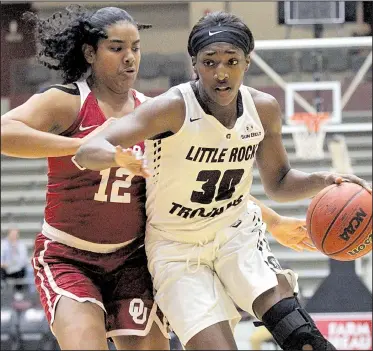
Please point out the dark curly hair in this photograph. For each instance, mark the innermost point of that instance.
(223, 19)
(61, 37)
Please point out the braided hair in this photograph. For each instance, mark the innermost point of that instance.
(61, 37)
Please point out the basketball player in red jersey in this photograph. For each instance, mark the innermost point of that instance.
(89, 257)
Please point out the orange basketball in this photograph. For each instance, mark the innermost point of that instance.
(339, 221)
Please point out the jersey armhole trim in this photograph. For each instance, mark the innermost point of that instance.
(255, 111)
(72, 91)
(78, 119)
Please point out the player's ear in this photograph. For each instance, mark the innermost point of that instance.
(89, 53)
(248, 60)
(195, 73)
(194, 61)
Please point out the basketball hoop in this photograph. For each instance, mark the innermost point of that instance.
(309, 141)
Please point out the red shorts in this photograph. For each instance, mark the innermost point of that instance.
(119, 282)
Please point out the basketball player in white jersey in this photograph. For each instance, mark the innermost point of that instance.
(206, 247)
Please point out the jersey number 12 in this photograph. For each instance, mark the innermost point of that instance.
(117, 184)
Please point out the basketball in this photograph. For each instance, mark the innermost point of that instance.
(339, 221)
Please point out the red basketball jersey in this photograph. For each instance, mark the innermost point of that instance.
(104, 207)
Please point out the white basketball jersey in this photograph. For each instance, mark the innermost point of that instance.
(201, 176)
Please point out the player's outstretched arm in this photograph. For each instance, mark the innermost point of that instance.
(31, 129)
(281, 182)
(161, 114)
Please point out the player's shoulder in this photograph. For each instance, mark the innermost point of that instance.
(172, 98)
(175, 94)
(61, 97)
(265, 103)
(167, 109)
(262, 98)
(60, 101)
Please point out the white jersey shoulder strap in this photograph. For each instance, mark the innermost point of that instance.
(140, 96)
(84, 91)
(249, 104)
(193, 110)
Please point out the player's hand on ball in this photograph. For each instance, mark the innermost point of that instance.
(292, 232)
(336, 178)
(132, 160)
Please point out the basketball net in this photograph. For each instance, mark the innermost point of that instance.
(309, 141)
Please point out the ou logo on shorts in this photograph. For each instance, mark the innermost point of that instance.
(137, 310)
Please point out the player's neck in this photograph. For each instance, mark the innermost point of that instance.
(103, 93)
(226, 115)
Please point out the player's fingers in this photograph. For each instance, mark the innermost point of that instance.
(145, 172)
(302, 230)
(308, 242)
(297, 248)
(122, 152)
(137, 166)
(354, 179)
(118, 149)
(132, 154)
(136, 153)
(307, 247)
(339, 180)
(301, 222)
(369, 187)
(359, 181)
(296, 239)
(126, 159)
(136, 169)
(128, 154)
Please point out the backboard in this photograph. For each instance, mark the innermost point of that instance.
(314, 12)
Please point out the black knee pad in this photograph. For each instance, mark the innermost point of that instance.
(292, 327)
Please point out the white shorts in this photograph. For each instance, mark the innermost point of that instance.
(198, 285)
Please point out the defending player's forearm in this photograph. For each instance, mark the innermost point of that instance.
(19, 140)
(269, 216)
(96, 155)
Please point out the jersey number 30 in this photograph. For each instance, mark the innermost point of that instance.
(227, 186)
(117, 184)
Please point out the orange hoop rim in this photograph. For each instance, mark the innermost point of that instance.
(313, 121)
